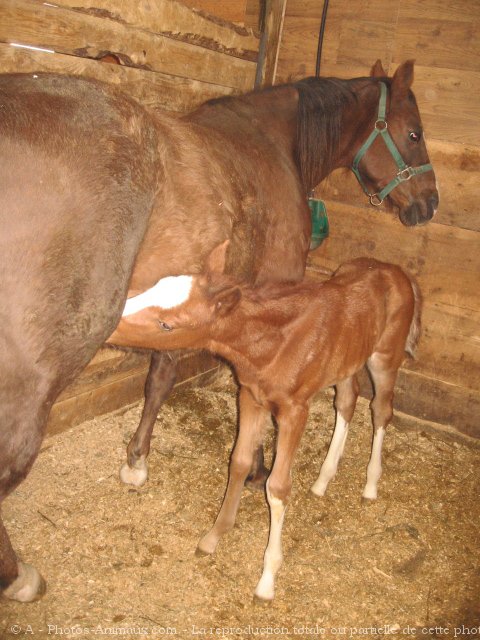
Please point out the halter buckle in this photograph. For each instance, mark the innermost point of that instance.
(381, 125)
(375, 199)
(406, 174)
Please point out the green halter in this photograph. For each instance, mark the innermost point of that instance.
(405, 172)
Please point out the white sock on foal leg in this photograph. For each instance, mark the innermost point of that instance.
(374, 469)
(273, 554)
(335, 452)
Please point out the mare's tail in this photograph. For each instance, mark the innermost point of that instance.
(416, 325)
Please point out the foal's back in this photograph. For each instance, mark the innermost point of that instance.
(366, 307)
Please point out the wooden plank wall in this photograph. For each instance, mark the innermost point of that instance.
(443, 384)
(167, 56)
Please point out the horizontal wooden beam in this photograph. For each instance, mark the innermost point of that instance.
(118, 383)
(430, 400)
(175, 20)
(83, 35)
(154, 90)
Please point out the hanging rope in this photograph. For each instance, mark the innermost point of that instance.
(320, 37)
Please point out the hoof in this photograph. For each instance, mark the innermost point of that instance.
(366, 501)
(201, 553)
(317, 490)
(136, 475)
(28, 587)
(262, 602)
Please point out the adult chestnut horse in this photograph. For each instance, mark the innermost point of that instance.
(100, 198)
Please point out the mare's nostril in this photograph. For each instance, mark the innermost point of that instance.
(432, 204)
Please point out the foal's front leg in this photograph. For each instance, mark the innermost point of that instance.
(291, 424)
(251, 433)
(159, 383)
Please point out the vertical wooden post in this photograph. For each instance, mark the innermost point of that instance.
(270, 42)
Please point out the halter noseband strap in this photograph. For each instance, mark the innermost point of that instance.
(405, 172)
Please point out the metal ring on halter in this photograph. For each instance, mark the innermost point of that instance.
(375, 199)
(384, 124)
(406, 174)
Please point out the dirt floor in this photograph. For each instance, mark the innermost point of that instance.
(120, 561)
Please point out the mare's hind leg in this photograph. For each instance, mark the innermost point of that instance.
(382, 410)
(159, 383)
(345, 401)
(23, 414)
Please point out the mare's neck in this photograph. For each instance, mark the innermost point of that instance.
(271, 112)
(358, 119)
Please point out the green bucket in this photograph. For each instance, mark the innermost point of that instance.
(320, 226)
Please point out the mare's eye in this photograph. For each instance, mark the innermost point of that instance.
(415, 136)
(165, 326)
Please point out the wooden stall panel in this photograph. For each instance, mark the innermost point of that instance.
(154, 90)
(226, 9)
(438, 34)
(81, 34)
(175, 20)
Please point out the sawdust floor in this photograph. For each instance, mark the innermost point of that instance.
(120, 561)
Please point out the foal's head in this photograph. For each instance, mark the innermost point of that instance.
(212, 296)
(398, 158)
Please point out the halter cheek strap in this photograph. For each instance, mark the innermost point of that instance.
(405, 172)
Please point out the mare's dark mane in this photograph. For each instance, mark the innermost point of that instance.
(320, 111)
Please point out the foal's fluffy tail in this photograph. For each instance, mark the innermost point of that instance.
(415, 327)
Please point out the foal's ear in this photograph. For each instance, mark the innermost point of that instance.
(227, 300)
(217, 258)
(403, 77)
(377, 71)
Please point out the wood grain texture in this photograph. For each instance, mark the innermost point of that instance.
(176, 20)
(154, 90)
(83, 35)
(269, 50)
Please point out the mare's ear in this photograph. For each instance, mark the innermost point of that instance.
(217, 258)
(226, 300)
(403, 78)
(377, 71)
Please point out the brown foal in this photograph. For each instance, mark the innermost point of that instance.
(286, 342)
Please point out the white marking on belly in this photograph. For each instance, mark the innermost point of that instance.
(167, 293)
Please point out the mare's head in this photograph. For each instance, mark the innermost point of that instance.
(391, 160)
(371, 125)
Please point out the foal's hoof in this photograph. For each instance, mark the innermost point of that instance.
(136, 475)
(28, 586)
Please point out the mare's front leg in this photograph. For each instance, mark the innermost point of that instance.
(291, 425)
(159, 383)
(250, 436)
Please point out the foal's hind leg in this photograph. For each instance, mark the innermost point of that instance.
(382, 410)
(160, 381)
(345, 401)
